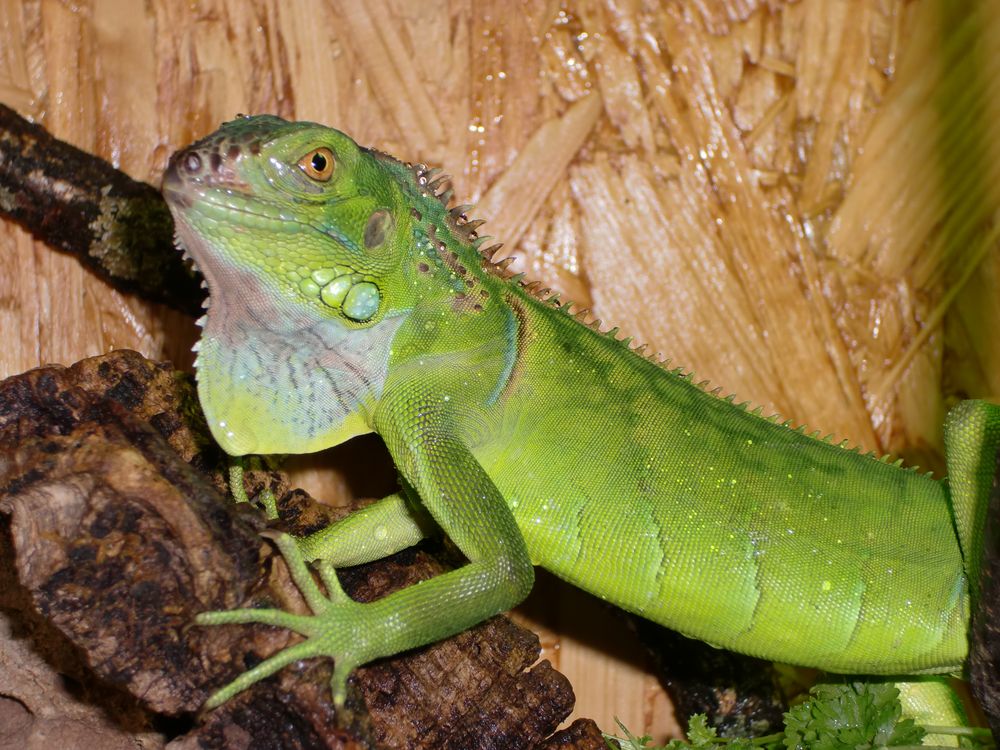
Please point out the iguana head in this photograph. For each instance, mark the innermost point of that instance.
(300, 205)
(296, 230)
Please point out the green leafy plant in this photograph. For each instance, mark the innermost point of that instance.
(851, 715)
(839, 716)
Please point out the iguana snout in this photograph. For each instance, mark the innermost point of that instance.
(212, 161)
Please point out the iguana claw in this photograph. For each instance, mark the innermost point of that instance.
(335, 628)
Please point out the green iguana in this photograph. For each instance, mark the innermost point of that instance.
(347, 298)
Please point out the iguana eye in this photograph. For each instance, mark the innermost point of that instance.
(318, 164)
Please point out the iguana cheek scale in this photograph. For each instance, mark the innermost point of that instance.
(345, 298)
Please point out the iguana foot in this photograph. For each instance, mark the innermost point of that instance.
(339, 627)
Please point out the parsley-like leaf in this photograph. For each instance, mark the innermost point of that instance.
(850, 716)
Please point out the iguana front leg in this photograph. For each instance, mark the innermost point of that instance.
(466, 504)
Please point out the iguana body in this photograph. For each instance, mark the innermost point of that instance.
(345, 298)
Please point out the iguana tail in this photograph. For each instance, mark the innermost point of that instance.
(972, 441)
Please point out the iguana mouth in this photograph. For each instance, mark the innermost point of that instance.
(220, 203)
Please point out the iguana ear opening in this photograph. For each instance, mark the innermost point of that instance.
(380, 225)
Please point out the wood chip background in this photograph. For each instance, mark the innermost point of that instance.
(796, 200)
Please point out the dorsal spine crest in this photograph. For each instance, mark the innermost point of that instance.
(430, 182)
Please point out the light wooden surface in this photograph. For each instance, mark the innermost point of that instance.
(771, 193)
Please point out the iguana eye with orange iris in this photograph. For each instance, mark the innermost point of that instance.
(318, 164)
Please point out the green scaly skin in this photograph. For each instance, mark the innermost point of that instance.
(346, 298)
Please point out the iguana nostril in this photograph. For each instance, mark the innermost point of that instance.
(216, 161)
(192, 162)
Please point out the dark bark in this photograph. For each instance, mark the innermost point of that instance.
(78, 203)
(984, 645)
(118, 534)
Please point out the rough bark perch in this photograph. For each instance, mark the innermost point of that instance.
(109, 492)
